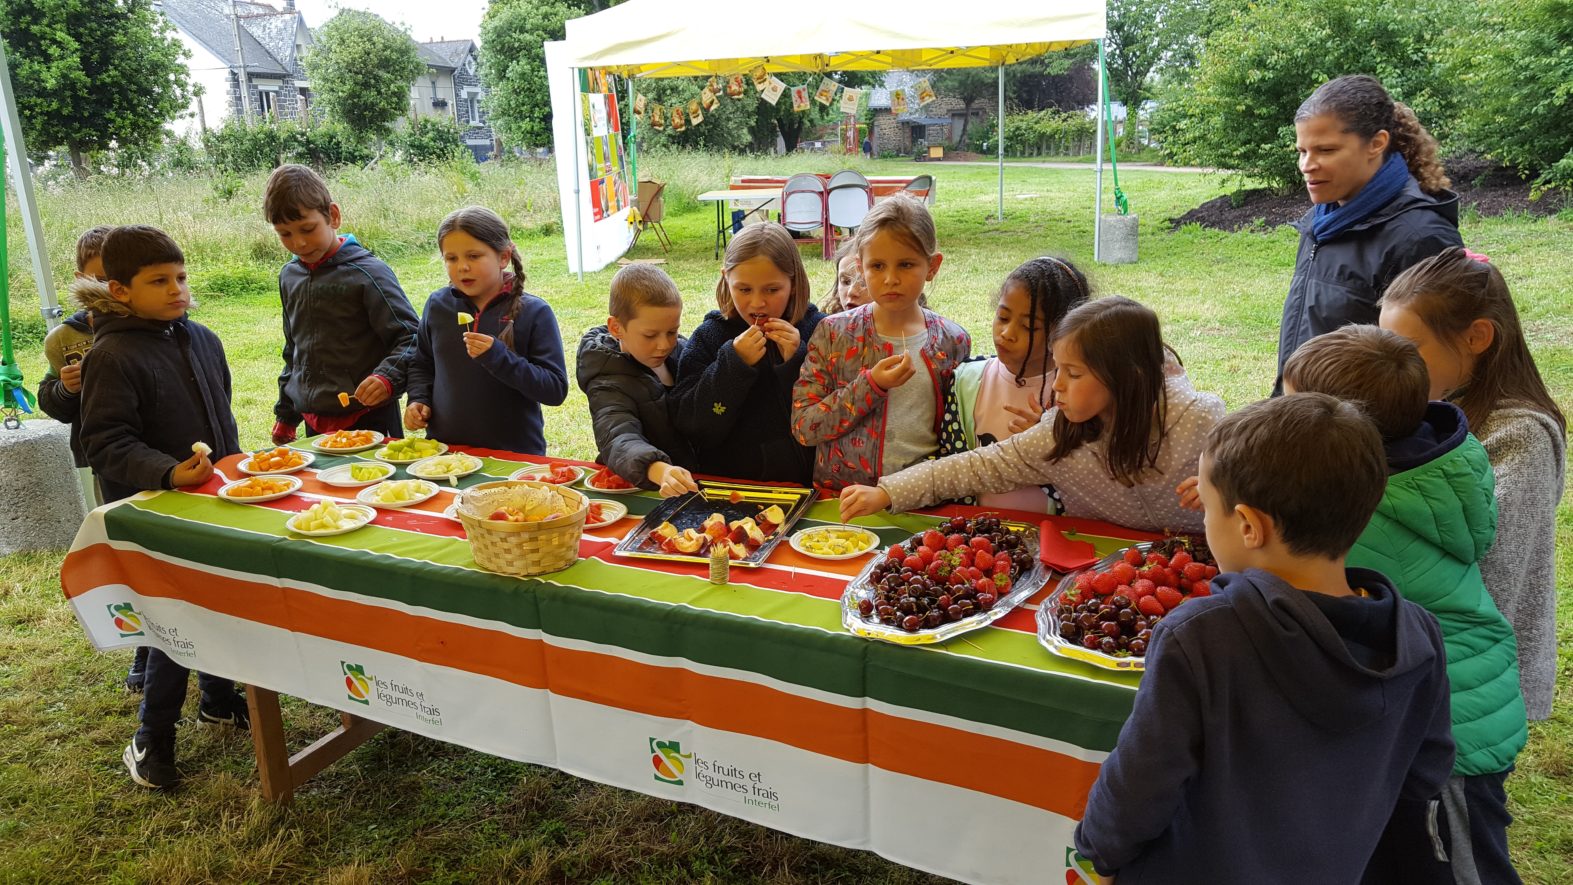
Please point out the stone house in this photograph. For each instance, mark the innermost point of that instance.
(270, 42)
(938, 122)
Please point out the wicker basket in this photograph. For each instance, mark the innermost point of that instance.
(521, 548)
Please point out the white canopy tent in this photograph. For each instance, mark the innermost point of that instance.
(685, 38)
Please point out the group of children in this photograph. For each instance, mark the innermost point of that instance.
(1341, 512)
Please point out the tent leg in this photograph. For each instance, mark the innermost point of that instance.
(22, 175)
(1097, 211)
(999, 136)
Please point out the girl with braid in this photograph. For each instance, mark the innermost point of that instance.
(999, 396)
(1380, 203)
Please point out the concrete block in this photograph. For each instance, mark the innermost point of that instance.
(1117, 239)
(41, 504)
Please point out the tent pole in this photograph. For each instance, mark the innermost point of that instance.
(578, 169)
(633, 145)
(22, 176)
(1097, 211)
(999, 136)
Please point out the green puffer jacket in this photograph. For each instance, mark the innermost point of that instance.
(1436, 521)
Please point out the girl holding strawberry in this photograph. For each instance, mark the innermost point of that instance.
(891, 356)
(1125, 428)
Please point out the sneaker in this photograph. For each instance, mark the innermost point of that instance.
(151, 761)
(228, 709)
(138, 672)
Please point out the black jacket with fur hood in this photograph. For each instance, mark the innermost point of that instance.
(150, 388)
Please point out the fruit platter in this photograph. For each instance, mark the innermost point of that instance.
(451, 467)
(279, 460)
(329, 518)
(1105, 614)
(360, 473)
(749, 519)
(952, 579)
(556, 474)
(343, 442)
(834, 542)
(604, 480)
(397, 493)
(405, 451)
(258, 489)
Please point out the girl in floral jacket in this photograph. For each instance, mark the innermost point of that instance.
(871, 395)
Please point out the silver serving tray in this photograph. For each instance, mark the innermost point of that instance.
(692, 509)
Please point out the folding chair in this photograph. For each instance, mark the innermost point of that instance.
(923, 187)
(847, 202)
(652, 208)
(803, 207)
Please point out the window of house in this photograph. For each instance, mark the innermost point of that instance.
(473, 101)
(268, 102)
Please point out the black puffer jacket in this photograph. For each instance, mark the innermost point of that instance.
(628, 404)
(1338, 282)
(150, 389)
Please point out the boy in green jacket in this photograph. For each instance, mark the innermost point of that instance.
(1434, 524)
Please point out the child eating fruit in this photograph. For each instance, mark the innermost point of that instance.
(626, 369)
(733, 398)
(890, 358)
(1282, 717)
(484, 386)
(1125, 426)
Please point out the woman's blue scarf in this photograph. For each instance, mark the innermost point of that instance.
(1331, 219)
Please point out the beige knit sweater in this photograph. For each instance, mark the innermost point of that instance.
(1081, 478)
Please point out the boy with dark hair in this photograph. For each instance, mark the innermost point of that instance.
(347, 324)
(157, 404)
(626, 368)
(1281, 719)
(1435, 522)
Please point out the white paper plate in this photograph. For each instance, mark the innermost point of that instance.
(797, 541)
(613, 510)
(538, 473)
(414, 469)
(367, 495)
(376, 440)
(382, 455)
(340, 476)
(294, 486)
(366, 514)
(589, 484)
(245, 466)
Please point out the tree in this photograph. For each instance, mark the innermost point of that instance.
(729, 126)
(1236, 108)
(513, 64)
(970, 86)
(1144, 37)
(93, 74)
(1514, 63)
(361, 69)
(779, 118)
(1066, 80)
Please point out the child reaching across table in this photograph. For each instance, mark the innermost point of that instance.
(1456, 307)
(626, 369)
(890, 358)
(733, 398)
(483, 383)
(998, 397)
(1125, 428)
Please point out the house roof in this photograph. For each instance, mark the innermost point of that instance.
(447, 54)
(208, 23)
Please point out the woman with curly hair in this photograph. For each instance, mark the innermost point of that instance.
(1380, 203)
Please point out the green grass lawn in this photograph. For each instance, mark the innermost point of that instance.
(405, 809)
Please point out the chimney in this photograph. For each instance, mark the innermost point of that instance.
(289, 5)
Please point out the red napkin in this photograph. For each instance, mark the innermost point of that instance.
(1061, 553)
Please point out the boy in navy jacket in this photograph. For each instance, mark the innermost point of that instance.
(348, 327)
(1282, 719)
(155, 405)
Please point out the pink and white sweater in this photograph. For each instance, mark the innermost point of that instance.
(1081, 477)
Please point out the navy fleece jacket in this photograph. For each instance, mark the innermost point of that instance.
(1274, 732)
(494, 400)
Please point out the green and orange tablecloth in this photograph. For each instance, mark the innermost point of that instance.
(971, 759)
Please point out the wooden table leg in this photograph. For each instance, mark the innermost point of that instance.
(280, 772)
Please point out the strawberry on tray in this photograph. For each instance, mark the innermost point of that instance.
(946, 581)
(1104, 615)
